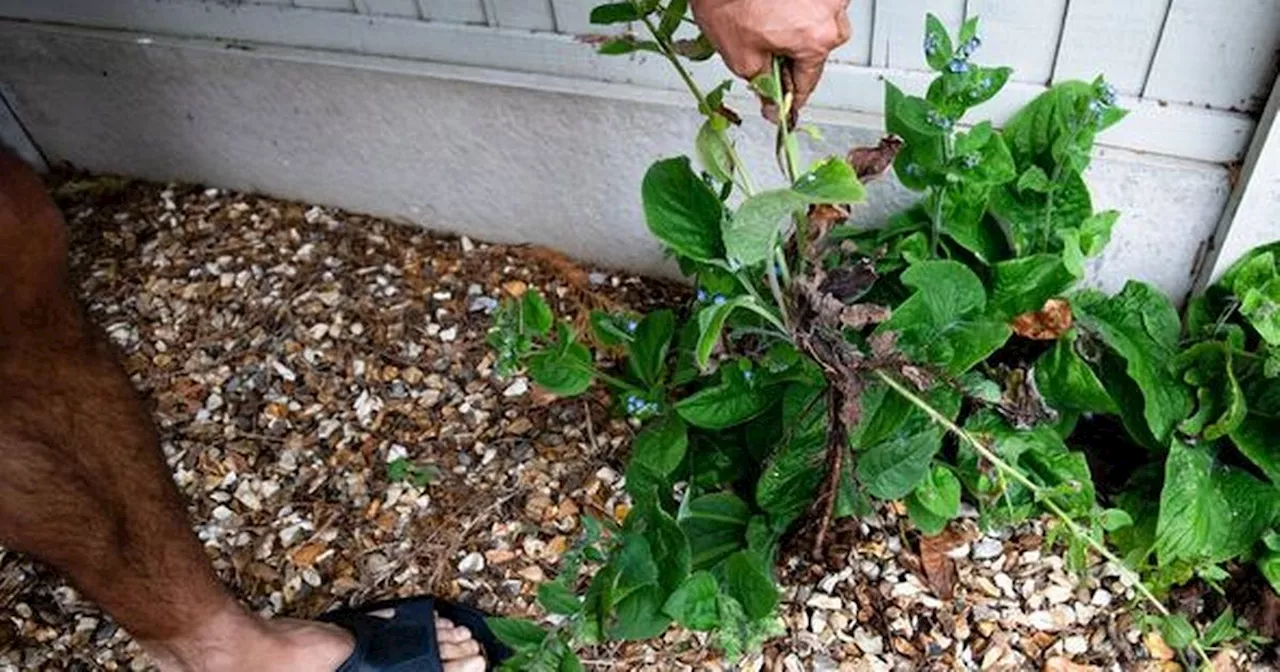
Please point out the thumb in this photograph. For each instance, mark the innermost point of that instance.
(806, 73)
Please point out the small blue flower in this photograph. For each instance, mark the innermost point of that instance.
(702, 294)
(1107, 94)
(748, 375)
(940, 121)
(958, 66)
(634, 404)
(969, 161)
(717, 299)
(930, 44)
(966, 50)
(631, 326)
(914, 170)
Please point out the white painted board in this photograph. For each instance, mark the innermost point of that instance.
(862, 20)
(336, 5)
(1216, 53)
(1116, 39)
(452, 11)
(527, 14)
(898, 30)
(1020, 34)
(404, 8)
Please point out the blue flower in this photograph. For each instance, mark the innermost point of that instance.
(631, 326)
(702, 294)
(969, 161)
(958, 66)
(940, 121)
(717, 299)
(748, 375)
(1107, 94)
(966, 50)
(930, 44)
(634, 404)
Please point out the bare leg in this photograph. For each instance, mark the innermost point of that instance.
(83, 483)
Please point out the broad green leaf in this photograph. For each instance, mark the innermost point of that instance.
(791, 476)
(1033, 219)
(1269, 565)
(969, 29)
(1261, 305)
(661, 446)
(716, 525)
(682, 211)
(570, 662)
(711, 322)
(1209, 512)
(942, 322)
(1067, 383)
(983, 160)
(748, 580)
(1142, 327)
(635, 566)
(1255, 438)
(768, 87)
(648, 348)
(908, 117)
(1035, 179)
(1207, 368)
(1248, 271)
(1177, 630)
(1058, 127)
(1115, 519)
(965, 220)
(640, 615)
(519, 634)
(612, 330)
(557, 599)
(935, 501)
(751, 234)
(730, 403)
(615, 12)
(1024, 284)
(565, 373)
(937, 44)
(714, 154)
(1095, 232)
(890, 470)
(695, 604)
(535, 314)
(831, 181)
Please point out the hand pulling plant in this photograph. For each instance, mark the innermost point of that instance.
(823, 364)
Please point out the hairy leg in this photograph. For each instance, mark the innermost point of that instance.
(83, 482)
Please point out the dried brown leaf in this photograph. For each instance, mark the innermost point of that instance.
(1021, 403)
(871, 162)
(1064, 664)
(849, 282)
(860, 315)
(1046, 324)
(939, 569)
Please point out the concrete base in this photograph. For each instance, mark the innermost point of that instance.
(516, 159)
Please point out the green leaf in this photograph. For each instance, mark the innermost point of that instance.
(557, 599)
(969, 29)
(1176, 630)
(640, 615)
(535, 315)
(1095, 232)
(1142, 327)
(682, 211)
(752, 232)
(716, 525)
(1115, 519)
(671, 17)
(1207, 368)
(937, 44)
(831, 181)
(1222, 630)
(695, 604)
(1255, 438)
(792, 475)
(611, 330)
(1067, 383)
(570, 662)
(670, 547)
(711, 323)
(730, 403)
(908, 117)
(649, 346)
(1033, 219)
(935, 501)
(964, 219)
(942, 322)
(748, 580)
(615, 12)
(1035, 179)
(661, 446)
(627, 44)
(768, 87)
(635, 567)
(519, 634)
(1269, 565)
(982, 158)
(566, 372)
(714, 154)
(1024, 284)
(1261, 305)
(890, 470)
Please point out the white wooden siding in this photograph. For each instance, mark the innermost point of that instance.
(858, 49)
(1117, 39)
(1217, 54)
(527, 14)
(898, 30)
(336, 5)
(452, 11)
(1020, 34)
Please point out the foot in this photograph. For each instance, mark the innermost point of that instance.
(293, 645)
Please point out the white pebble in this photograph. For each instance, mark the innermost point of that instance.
(471, 564)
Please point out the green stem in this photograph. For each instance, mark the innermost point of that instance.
(935, 235)
(747, 186)
(1041, 496)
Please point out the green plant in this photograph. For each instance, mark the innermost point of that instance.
(824, 363)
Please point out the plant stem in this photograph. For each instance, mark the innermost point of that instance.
(935, 235)
(747, 186)
(1041, 496)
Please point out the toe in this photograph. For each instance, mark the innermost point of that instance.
(451, 651)
(472, 664)
(452, 635)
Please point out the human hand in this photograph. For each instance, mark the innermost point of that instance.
(749, 33)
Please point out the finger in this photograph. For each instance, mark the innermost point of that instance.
(452, 635)
(806, 72)
(844, 29)
(747, 63)
(452, 651)
(473, 664)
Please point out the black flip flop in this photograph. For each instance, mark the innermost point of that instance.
(406, 642)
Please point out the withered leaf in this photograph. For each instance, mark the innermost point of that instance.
(860, 315)
(1021, 403)
(1047, 324)
(847, 283)
(871, 162)
(939, 568)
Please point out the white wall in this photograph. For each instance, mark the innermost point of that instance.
(483, 120)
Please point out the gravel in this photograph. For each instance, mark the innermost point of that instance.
(293, 352)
